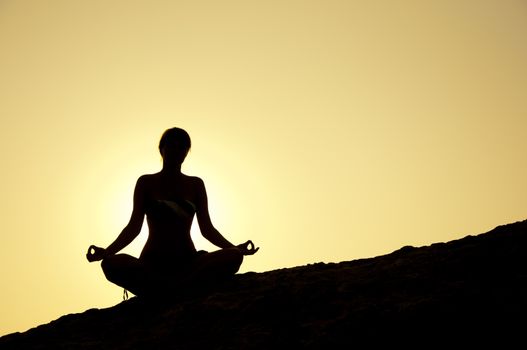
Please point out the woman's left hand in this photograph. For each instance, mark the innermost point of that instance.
(95, 253)
(247, 248)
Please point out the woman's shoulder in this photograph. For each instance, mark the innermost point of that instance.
(147, 177)
(194, 180)
(152, 179)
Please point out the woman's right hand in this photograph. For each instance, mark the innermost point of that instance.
(95, 253)
(247, 248)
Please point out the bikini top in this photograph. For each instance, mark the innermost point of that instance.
(179, 208)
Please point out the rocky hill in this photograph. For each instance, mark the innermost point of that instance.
(467, 292)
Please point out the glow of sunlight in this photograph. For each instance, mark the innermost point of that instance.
(325, 130)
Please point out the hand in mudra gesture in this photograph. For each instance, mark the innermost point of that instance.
(247, 248)
(95, 253)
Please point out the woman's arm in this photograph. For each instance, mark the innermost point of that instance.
(205, 224)
(131, 230)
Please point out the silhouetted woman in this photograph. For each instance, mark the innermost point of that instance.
(169, 199)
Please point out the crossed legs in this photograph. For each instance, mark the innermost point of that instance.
(207, 269)
(128, 272)
(211, 268)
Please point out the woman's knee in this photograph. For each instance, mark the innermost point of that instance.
(223, 261)
(235, 258)
(108, 266)
(113, 265)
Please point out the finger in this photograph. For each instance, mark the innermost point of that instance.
(243, 246)
(92, 247)
(93, 253)
(252, 251)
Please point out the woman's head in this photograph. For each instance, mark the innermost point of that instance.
(174, 145)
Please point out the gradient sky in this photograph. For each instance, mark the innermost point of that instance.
(324, 130)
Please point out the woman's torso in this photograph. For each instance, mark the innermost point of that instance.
(170, 209)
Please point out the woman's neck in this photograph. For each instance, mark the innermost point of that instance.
(171, 169)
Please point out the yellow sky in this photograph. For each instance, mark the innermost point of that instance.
(324, 130)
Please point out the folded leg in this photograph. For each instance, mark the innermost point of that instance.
(128, 272)
(215, 266)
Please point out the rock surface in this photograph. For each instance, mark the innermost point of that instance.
(470, 291)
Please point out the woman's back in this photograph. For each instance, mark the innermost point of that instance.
(169, 213)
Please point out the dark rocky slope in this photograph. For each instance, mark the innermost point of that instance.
(466, 292)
